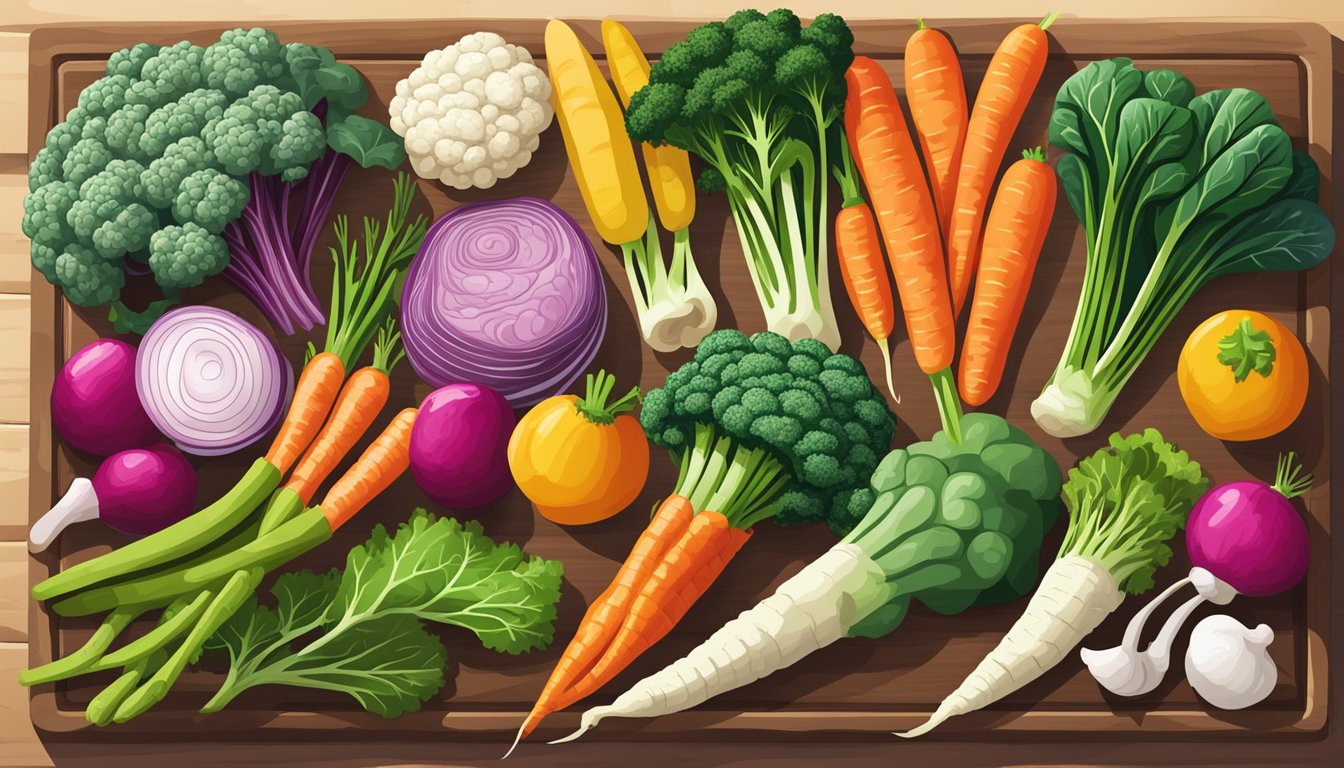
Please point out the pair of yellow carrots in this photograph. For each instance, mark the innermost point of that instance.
(934, 226)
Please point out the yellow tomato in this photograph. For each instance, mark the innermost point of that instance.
(1243, 375)
(580, 460)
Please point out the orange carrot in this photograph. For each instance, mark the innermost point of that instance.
(890, 168)
(1014, 233)
(1012, 76)
(937, 97)
(687, 570)
(382, 462)
(314, 395)
(860, 256)
(605, 614)
(361, 399)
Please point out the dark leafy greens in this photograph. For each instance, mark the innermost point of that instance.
(1173, 190)
(361, 631)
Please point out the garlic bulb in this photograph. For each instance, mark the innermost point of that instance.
(1228, 664)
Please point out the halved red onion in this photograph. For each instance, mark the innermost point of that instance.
(507, 294)
(211, 381)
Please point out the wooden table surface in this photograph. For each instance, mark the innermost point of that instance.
(19, 744)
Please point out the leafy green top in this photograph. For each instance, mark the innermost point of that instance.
(1126, 502)
(361, 631)
(1245, 350)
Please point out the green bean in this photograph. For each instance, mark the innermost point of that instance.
(81, 660)
(179, 540)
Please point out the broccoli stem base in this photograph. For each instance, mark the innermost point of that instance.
(949, 403)
(718, 473)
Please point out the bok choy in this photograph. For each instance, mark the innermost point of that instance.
(1172, 190)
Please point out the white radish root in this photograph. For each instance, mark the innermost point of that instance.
(1075, 595)
(809, 611)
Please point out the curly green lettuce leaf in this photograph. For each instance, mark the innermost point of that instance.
(1125, 503)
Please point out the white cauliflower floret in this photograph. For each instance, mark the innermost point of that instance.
(472, 113)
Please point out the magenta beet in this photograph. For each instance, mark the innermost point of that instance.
(138, 491)
(459, 446)
(94, 405)
(1250, 535)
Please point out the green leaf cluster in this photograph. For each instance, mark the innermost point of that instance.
(362, 631)
(1173, 190)
(1125, 503)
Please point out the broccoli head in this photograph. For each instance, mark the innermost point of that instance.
(958, 524)
(803, 425)
(169, 141)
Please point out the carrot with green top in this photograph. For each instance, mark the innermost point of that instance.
(1014, 234)
(885, 154)
(1013, 74)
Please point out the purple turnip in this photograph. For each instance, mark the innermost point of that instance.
(94, 405)
(459, 446)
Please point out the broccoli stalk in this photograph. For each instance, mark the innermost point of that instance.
(763, 428)
(758, 98)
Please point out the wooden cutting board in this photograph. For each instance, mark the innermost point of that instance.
(855, 689)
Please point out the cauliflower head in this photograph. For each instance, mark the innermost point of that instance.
(472, 113)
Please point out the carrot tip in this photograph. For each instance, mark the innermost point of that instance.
(1037, 154)
(919, 24)
(1048, 20)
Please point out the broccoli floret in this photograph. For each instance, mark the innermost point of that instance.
(802, 451)
(242, 59)
(104, 96)
(164, 176)
(128, 62)
(45, 212)
(268, 132)
(124, 130)
(86, 158)
(183, 256)
(86, 278)
(210, 199)
(169, 74)
(181, 118)
(103, 196)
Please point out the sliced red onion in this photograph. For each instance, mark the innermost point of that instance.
(211, 381)
(507, 294)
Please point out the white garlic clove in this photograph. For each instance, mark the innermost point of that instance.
(1228, 664)
(1122, 672)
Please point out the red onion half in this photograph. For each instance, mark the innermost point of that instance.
(507, 294)
(211, 381)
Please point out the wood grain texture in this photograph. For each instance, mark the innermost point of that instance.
(13, 602)
(15, 266)
(19, 743)
(13, 487)
(15, 325)
(13, 92)
(858, 689)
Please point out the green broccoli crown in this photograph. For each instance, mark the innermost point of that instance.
(997, 491)
(183, 256)
(733, 72)
(814, 411)
(210, 199)
(150, 143)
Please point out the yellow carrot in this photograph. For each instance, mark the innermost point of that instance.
(594, 131)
